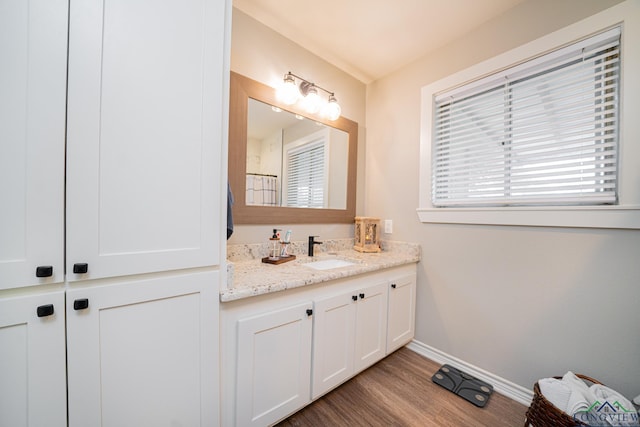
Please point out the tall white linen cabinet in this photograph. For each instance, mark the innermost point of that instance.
(113, 128)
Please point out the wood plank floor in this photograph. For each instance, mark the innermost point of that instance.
(398, 391)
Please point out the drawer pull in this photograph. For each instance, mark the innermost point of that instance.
(45, 310)
(80, 268)
(81, 304)
(44, 271)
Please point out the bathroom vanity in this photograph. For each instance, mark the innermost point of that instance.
(293, 332)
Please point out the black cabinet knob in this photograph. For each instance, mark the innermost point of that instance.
(309, 312)
(81, 304)
(44, 271)
(45, 310)
(354, 297)
(393, 285)
(361, 296)
(80, 268)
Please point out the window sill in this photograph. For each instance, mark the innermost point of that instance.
(627, 217)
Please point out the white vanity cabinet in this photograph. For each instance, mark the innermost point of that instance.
(146, 97)
(274, 364)
(282, 350)
(334, 341)
(371, 326)
(145, 120)
(32, 360)
(33, 78)
(33, 53)
(143, 352)
(349, 335)
(133, 336)
(402, 311)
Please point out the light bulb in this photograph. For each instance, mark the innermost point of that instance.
(288, 92)
(332, 109)
(312, 100)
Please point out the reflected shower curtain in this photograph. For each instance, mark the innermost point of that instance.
(261, 190)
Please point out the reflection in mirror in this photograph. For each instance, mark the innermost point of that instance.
(321, 195)
(293, 161)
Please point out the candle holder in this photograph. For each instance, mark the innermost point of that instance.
(367, 236)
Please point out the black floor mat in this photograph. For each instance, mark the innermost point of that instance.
(463, 384)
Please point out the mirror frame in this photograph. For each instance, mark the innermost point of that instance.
(241, 89)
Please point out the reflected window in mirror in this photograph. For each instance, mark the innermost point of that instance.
(304, 173)
(293, 161)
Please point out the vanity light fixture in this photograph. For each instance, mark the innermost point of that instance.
(307, 93)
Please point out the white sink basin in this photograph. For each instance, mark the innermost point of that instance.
(329, 264)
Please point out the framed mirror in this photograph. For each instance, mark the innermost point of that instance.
(286, 166)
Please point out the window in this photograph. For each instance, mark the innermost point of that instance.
(305, 171)
(544, 132)
(598, 187)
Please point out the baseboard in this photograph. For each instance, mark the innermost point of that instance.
(500, 385)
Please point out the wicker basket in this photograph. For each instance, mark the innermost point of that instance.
(543, 413)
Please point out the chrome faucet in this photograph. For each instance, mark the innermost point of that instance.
(312, 242)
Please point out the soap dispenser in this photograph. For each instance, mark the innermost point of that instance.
(274, 250)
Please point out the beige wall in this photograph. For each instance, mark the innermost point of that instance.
(520, 302)
(264, 55)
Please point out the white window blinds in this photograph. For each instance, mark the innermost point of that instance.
(544, 132)
(305, 174)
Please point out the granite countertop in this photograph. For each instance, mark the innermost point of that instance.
(248, 276)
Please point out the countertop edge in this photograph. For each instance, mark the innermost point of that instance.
(311, 277)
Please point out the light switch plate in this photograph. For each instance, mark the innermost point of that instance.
(388, 226)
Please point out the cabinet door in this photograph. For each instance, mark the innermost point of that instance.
(402, 312)
(145, 124)
(33, 52)
(274, 365)
(333, 341)
(144, 353)
(32, 361)
(371, 326)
